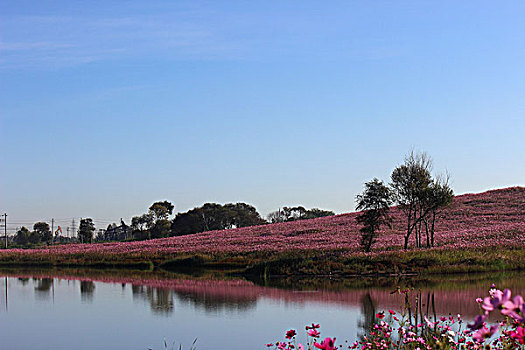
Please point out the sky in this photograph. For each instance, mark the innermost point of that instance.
(108, 106)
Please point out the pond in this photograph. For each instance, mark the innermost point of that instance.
(90, 309)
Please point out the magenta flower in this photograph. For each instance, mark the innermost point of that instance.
(313, 326)
(326, 344)
(290, 334)
(518, 335)
(313, 333)
(484, 333)
(429, 324)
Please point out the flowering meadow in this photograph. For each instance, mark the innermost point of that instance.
(474, 221)
(399, 330)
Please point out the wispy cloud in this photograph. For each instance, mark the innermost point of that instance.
(40, 41)
(191, 32)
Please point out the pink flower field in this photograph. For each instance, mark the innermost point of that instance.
(491, 219)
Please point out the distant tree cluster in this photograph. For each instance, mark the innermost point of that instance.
(419, 195)
(213, 216)
(297, 213)
(41, 234)
(208, 217)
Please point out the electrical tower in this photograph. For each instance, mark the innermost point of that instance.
(73, 228)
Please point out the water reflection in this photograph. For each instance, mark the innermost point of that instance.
(87, 288)
(216, 302)
(23, 281)
(431, 297)
(368, 316)
(150, 306)
(160, 300)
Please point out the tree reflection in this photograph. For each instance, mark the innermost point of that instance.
(218, 302)
(160, 300)
(368, 311)
(87, 288)
(23, 281)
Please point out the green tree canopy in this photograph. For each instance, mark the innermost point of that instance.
(86, 230)
(22, 236)
(43, 231)
(375, 203)
(419, 195)
(213, 216)
(161, 210)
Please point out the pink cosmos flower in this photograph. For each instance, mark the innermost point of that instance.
(429, 324)
(496, 300)
(514, 308)
(326, 344)
(313, 333)
(484, 333)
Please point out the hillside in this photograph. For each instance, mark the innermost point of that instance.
(476, 221)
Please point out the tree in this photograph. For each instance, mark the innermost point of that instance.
(439, 196)
(161, 228)
(187, 223)
(22, 236)
(141, 226)
(213, 216)
(34, 238)
(297, 213)
(419, 196)
(161, 210)
(42, 230)
(86, 230)
(241, 215)
(318, 213)
(275, 216)
(375, 203)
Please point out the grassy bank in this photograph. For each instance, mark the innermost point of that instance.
(293, 262)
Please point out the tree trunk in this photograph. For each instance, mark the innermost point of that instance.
(427, 233)
(432, 229)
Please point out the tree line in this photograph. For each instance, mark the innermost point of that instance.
(155, 223)
(419, 195)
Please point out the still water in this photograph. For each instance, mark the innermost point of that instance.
(80, 309)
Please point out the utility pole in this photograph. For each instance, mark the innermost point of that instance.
(5, 229)
(52, 230)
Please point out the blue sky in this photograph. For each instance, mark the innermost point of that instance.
(108, 106)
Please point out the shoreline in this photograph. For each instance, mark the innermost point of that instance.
(326, 263)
